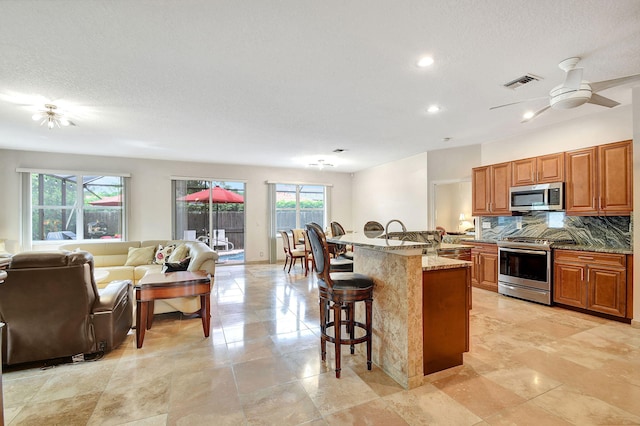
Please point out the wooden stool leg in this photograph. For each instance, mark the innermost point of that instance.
(323, 328)
(368, 308)
(350, 325)
(337, 325)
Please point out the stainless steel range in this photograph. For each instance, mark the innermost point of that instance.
(524, 269)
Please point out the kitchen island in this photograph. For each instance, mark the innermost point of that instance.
(420, 306)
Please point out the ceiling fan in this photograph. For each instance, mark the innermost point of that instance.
(575, 91)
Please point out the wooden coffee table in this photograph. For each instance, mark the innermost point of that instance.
(169, 285)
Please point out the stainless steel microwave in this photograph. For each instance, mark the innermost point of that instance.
(545, 196)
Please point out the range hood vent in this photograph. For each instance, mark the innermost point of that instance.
(521, 81)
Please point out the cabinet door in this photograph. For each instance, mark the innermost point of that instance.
(550, 168)
(481, 188)
(569, 285)
(616, 177)
(500, 184)
(523, 172)
(488, 271)
(580, 197)
(607, 290)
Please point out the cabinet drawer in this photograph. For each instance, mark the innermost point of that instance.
(589, 257)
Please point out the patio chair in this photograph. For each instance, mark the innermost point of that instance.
(218, 239)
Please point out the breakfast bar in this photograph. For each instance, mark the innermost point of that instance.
(420, 306)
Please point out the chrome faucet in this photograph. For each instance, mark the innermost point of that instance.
(386, 229)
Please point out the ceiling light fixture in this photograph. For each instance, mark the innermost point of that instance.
(425, 61)
(321, 164)
(527, 115)
(52, 117)
(433, 108)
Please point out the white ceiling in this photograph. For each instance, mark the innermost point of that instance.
(266, 82)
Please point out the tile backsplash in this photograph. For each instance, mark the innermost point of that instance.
(610, 231)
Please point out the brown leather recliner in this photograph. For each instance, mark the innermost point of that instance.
(52, 308)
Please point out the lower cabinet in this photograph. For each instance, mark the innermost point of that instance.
(593, 281)
(484, 266)
(445, 318)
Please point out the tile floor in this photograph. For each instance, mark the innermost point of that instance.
(528, 364)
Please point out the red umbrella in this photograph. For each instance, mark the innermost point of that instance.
(218, 196)
(115, 200)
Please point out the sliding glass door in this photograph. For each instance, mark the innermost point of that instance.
(212, 212)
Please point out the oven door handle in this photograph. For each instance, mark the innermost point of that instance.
(514, 250)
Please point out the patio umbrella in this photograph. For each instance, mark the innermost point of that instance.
(114, 200)
(218, 196)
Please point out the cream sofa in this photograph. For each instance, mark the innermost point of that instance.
(111, 256)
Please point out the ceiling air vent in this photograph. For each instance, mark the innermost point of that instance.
(521, 81)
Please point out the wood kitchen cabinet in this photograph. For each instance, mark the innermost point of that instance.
(593, 281)
(535, 170)
(600, 180)
(484, 266)
(490, 188)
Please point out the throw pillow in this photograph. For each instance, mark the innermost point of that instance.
(163, 253)
(140, 256)
(179, 253)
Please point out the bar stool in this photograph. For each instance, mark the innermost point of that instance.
(340, 291)
(337, 230)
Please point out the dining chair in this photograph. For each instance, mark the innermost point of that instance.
(291, 254)
(298, 238)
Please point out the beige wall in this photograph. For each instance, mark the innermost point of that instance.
(396, 190)
(446, 166)
(150, 212)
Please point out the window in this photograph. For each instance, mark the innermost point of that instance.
(75, 206)
(297, 205)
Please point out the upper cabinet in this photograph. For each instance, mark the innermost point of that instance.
(599, 180)
(543, 169)
(490, 187)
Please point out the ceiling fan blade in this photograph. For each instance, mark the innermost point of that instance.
(573, 79)
(519, 102)
(601, 85)
(602, 101)
(537, 113)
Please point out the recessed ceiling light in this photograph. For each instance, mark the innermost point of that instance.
(425, 61)
(433, 108)
(527, 115)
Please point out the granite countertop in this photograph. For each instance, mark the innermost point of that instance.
(432, 263)
(471, 241)
(406, 248)
(594, 248)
